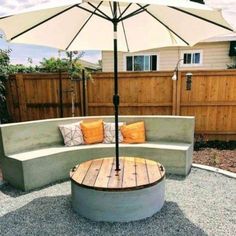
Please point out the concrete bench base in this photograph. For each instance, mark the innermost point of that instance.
(41, 167)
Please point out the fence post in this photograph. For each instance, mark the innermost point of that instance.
(178, 91)
(83, 94)
(10, 103)
(60, 94)
(174, 97)
(21, 97)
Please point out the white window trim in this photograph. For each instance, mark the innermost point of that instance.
(192, 51)
(140, 54)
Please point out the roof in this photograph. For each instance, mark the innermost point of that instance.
(221, 38)
(89, 65)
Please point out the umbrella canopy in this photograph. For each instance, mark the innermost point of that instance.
(132, 25)
(80, 25)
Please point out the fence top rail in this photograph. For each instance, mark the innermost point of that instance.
(132, 74)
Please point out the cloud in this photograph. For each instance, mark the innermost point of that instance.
(222, 4)
(228, 9)
(17, 5)
(92, 56)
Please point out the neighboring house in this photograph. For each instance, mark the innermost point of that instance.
(92, 67)
(210, 54)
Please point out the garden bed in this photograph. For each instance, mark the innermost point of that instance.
(223, 159)
(220, 154)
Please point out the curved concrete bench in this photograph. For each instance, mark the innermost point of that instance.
(33, 154)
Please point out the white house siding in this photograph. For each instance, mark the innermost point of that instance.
(215, 56)
(108, 61)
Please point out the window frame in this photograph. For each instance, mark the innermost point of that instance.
(192, 52)
(140, 54)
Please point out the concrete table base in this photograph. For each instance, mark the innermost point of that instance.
(122, 206)
(100, 193)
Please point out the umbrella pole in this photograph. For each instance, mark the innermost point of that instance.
(116, 95)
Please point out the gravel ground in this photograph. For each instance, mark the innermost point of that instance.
(204, 203)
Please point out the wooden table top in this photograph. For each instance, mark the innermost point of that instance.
(135, 173)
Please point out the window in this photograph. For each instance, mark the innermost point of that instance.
(141, 63)
(192, 58)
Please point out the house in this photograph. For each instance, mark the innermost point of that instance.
(209, 54)
(92, 67)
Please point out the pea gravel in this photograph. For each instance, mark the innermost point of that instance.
(204, 203)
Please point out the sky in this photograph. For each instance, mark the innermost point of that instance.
(20, 53)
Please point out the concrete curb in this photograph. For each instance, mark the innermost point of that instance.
(216, 170)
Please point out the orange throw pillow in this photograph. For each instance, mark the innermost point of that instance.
(92, 131)
(133, 133)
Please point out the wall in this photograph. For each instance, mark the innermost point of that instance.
(215, 56)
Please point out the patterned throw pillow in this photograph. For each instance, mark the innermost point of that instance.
(72, 134)
(109, 132)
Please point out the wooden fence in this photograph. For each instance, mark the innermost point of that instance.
(42, 96)
(212, 98)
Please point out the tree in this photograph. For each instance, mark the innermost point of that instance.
(68, 64)
(4, 64)
(53, 65)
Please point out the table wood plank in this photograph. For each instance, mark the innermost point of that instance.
(104, 173)
(141, 172)
(116, 176)
(153, 171)
(129, 178)
(135, 173)
(92, 173)
(81, 171)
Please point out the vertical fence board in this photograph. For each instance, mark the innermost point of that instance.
(140, 93)
(22, 97)
(37, 96)
(212, 100)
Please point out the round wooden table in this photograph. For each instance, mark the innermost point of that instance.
(135, 192)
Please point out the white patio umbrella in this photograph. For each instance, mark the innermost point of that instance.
(126, 25)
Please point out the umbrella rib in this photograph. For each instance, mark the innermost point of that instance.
(83, 25)
(105, 15)
(202, 18)
(111, 9)
(4, 17)
(136, 12)
(42, 22)
(85, 9)
(165, 25)
(123, 26)
(121, 14)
